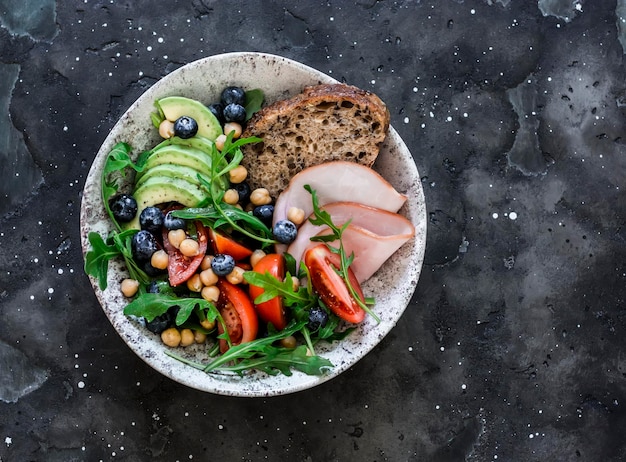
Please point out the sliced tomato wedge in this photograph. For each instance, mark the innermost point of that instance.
(238, 313)
(180, 268)
(224, 244)
(331, 288)
(272, 310)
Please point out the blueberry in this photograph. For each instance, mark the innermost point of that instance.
(124, 207)
(171, 222)
(162, 322)
(285, 231)
(265, 213)
(235, 113)
(153, 287)
(143, 245)
(218, 111)
(185, 127)
(222, 264)
(235, 95)
(318, 317)
(243, 189)
(151, 270)
(151, 219)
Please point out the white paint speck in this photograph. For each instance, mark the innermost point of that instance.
(513, 215)
(494, 215)
(81, 384)
(8, 440)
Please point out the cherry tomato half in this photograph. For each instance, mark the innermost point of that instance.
(331, 288)
(227, 245)
(272, 310)
(238, 313)
(180, 268)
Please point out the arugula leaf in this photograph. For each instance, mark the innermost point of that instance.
(261, 354)
(97, 259)
(149, 306)
(218, 218)
(272, 287)
(254, 101)
(117, 161)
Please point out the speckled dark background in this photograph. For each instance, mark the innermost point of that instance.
(513, 347)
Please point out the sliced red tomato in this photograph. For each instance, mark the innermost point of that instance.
(272, 310)
(224, 244)
(238, 313)
(180, 268)
(331, 288)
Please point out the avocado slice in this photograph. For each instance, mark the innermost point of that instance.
(163, 189)
(174, 107)
(179, 155)
(197, 142)
(170, 170)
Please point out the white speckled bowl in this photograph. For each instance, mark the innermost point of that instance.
(392, 286)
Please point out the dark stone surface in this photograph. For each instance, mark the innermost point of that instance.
(513, 347)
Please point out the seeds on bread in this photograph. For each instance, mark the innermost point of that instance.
(321, 124)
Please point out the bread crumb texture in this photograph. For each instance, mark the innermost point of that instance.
(323, 123)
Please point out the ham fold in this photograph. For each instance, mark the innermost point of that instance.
(334, 182)
(373, 235)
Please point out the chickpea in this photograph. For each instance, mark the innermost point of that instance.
(233, 127)
(210, 293)
(166, 129)
(260, 196)
(160, 259)
(219, 142)
(231, 196)
(189, 247)
(194, 284)
(208, 277)
(296, 215)
(171, 337)
(256, 256)
(238, 174)
(206, 263)
(208, 324)
(289, 342)
(129, 287)
(295, 283)
(236, 275)
(186, 337)
(176, 236)
(199, 337)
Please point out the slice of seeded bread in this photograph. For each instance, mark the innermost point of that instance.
(323, 123)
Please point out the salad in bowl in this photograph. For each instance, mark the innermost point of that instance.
(226, 285)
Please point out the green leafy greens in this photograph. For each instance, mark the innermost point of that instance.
(118, 243)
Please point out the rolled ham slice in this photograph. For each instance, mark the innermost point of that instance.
(373, 235)
(335, 182)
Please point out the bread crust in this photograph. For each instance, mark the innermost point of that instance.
(323, 123)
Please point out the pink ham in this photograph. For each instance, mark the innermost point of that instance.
(373, 235)
(338, 181)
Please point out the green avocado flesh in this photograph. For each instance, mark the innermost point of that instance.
(171, 170)
(197, 142)
(174, 107)
(160, 189)
(179, 155)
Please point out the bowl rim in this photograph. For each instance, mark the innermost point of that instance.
(228, 384)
